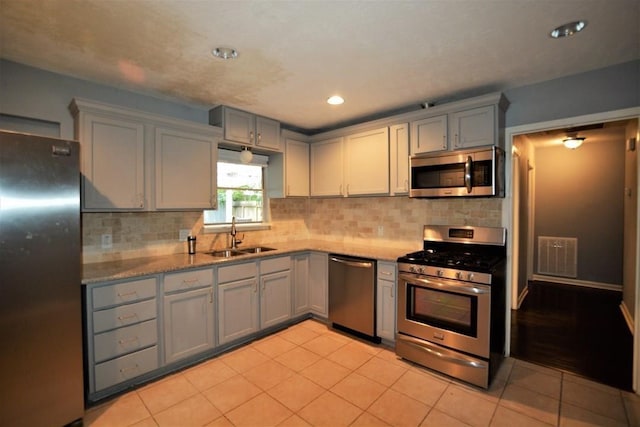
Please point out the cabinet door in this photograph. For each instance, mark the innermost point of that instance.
(318, 283)
(366, 163)
(237, 310)
(428, 135)
(473, 128)
(326, 168)
(239, 126)
(112, 163)
(185, 170)
(188, 323)
(275, 298)
(399, 159)
(386, 309)
(267, 133)
(296, 160)
(300, 284)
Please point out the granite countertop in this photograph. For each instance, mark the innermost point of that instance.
(124, 269)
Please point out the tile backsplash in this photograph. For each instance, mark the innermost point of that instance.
(390, 221)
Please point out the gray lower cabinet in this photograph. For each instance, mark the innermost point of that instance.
(188, 313)
(122, 333)
(188, 324)
(386, 301)
(253, 296)
(237, 301)
(275, 291)
(300, 266)
(319, 284)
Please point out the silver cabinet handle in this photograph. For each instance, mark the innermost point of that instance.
(128, 316)
(251, 136)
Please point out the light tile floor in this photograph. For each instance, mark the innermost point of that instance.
(309, 375)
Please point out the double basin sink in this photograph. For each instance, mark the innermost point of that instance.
(229, 253)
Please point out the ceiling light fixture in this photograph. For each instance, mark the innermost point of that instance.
(568, 29)
(246, 155)
(335, 100)
(573, 142)
(225, 53)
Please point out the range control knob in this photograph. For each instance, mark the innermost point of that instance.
(421, 270)
(470, 277)
(412, 269)
(440, 273)
(459, 275)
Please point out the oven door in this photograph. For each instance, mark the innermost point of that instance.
(451, 313)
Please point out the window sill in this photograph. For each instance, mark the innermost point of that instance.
(226, 228)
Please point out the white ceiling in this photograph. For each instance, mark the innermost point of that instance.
(381, 56)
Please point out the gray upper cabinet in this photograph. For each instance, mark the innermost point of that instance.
(245, 128)
(132, 160)
(429, 135)
(473, 128)
(474, 122)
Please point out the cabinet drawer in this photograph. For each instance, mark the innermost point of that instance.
(118, 293)
(275, 264)
(125, 340)
(190, 279)
(126, 367)
(235, 272)
(386, 271)
(124, 315)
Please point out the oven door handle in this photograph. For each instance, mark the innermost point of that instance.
(467, 173)
(459, 288)
(427, 348)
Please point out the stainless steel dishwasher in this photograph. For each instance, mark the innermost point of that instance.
(352, 296)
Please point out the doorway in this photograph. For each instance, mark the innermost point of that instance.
(555, 287)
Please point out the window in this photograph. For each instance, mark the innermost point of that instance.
(240, 190)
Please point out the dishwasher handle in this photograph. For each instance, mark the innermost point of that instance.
(358, 264)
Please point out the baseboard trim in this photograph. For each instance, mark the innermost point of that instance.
(575, 282)
(522, 296)
(627, 317)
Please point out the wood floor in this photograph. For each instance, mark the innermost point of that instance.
(576, 329)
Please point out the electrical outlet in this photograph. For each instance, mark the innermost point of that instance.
(380, 230)
(107, 241)
(184, 233)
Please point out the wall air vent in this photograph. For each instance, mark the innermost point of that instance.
(558, 256)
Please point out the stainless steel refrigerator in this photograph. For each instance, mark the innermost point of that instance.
(41, 373)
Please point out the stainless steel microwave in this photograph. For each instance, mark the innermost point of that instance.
(475, 172)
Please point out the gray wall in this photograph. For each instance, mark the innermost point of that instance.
(597, 91)
(41, 95)
(579, 193)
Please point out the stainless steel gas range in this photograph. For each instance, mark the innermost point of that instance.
(451, 302)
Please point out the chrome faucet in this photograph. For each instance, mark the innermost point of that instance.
(234, 242)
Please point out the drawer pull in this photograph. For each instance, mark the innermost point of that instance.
(128, 316)
(386, 273)
(127, 341)
(190, 282)
(127, 294)
(125, 370)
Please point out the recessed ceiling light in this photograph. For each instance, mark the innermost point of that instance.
(224, 53)
(568, 29)
(335, 100)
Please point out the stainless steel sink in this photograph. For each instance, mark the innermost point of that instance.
(226, 253)
(256, 250)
